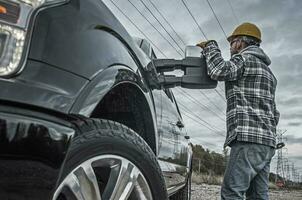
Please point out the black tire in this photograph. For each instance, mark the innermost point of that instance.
(97, 137)
(185, 192)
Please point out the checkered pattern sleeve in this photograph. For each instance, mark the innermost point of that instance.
(218, 68)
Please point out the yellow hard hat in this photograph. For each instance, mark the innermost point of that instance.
(247, 29)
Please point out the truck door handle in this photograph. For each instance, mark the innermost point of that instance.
(179, 124)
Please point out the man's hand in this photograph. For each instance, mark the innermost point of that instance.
(203, 44)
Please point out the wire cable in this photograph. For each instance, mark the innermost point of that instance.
(142, 32)
(194, 100)
(138, 28)
(192, 117)
(232, 9)
(165, 19)
(172, 27)
(217, 19)
(154, 27)
(220, 88)
(198, 117)
(210, 127)
(203, 143)
(203, 94)
(169, 23)
(220, 96)
(188, 9)
(162, 25)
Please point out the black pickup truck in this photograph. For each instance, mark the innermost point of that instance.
(86, 112)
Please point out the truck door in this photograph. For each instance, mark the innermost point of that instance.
(172, 148)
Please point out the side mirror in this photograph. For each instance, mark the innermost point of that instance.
(194, 67)
(192, 51)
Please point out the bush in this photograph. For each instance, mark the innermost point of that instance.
(208, 162)
(205, 178)
(272, 185)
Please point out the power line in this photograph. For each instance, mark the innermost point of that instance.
(160, 13)
(217, 19)
(220, 88)
(213, 128)
(220, 27)
(187, 114)
(220, 95)
(198, 103)
(161, 25)
(187, 110)
(170, 25)
(155, 45)
(219, 109)
(138, 28)
(208, 126)
(188, 9)
(232, 9)
(155, 28)
(175, 31)
(203, 142)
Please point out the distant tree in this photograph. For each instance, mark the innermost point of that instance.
(208, 162)
(218, 163)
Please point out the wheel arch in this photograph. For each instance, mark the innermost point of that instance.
(126, 104)
(119, 94)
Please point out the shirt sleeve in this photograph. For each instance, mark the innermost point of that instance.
(218, 68)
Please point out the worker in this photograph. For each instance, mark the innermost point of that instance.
(252, 116)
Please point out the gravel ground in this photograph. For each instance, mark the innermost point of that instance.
(212, 192)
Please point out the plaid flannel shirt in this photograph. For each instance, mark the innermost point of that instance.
(250, 92)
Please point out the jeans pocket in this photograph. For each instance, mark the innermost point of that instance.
(236, 160)
(259, 155)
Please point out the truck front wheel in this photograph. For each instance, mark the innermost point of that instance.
(108, 161)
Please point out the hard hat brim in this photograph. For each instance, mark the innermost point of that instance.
(230, 38)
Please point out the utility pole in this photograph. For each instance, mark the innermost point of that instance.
(287, 171)
(293, 172)
(199, 164)
(280, 176)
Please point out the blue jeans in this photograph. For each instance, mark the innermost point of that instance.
(247, 172)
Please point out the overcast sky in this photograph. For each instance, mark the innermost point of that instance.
(280, 23)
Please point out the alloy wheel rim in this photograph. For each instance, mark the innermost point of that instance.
(109, 177)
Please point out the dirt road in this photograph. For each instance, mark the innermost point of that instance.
(212, 192)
